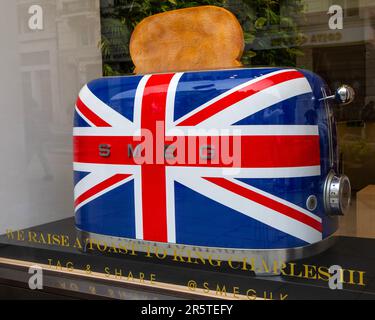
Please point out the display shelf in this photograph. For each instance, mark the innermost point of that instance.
(145, 277)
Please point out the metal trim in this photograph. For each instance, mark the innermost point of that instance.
(259, 256)
(329, 116)
(332, 194)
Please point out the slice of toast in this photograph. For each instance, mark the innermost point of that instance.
(198, 38)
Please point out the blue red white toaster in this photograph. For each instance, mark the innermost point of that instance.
(149, 160)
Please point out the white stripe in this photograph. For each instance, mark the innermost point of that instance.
(108, 168)
(97, 195)
(249, 130)
(223, 95)
(251, 208)
(104, 111)
(104, 131)
(171, 222)
(285, 172)
(257, 102)
(138, 205)
(138, 102)
(170, 103)
(83, 117)
(288, 172)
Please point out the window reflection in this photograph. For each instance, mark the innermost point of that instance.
(48, 69)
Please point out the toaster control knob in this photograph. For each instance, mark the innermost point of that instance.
(337, 194)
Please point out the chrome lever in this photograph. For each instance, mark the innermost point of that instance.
(343, 95)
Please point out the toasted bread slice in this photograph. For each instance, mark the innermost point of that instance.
(198, 38)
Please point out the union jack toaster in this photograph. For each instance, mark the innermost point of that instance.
(234, 162)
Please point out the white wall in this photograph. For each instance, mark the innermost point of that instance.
(39, 80)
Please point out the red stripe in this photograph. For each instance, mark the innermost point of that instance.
(154, 203)
(267, 202)
(254, 151)
(100, 187)
(239, 95)
(90, 115)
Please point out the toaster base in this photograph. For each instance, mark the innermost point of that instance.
(257, 258)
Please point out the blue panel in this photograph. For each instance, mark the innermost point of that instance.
(204, 222)
(117, 92)
(294, 190)
(208, 85)
(110, 214)
(79, 121)
(78, 175)
(296, 110)
(317, 84)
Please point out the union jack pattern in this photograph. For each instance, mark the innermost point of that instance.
(268, 151)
